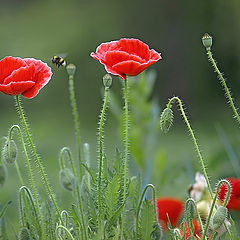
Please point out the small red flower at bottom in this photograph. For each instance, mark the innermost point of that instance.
(196, 232)
(234, 202)
(125, 57)
(23, 76)
(171, 206)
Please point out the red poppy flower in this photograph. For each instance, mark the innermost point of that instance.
(196, 227)
(125, 57)
(171, 206)
(234, 202)
(23, 76)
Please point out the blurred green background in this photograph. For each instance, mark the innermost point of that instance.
(41, 29)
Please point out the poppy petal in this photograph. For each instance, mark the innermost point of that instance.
(16, 88)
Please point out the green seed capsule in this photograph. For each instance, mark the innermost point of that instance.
(107, 80)
(3, 175)
(10, 152)
(219, 218)
(24, 234)
(71, 69)
(66, 178)
(207, 41)
(166, 119)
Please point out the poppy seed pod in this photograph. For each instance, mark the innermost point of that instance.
(3, 174)
(219, 218)
(166, 119)
(66, 179)
(71, 69)
(207, 41)
(24, 234)
(107, 80)
(9, 152)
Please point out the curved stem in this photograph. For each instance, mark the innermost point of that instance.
(141, 201)
(101, 158)
(76, 120)
(21, 205)
(190, 200)
(20, 109)
(223, 82)
(126, 143)
(29, 170)
(67, 150)
(65, 229)
(169, 105)
(213, 205)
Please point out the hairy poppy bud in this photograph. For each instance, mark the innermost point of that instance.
(67, 179)
(24, 234)
(10, 152)
(71, 69)
(107, 80)
(3, 174)
(166, 119)
(219, 218)
(207, 41)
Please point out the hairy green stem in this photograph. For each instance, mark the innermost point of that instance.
(65, 229)
(126, 143)
(101, 158)
(76, 120)
(214, 205)
(29, 170)
(140, 204)
(20, 110)
(67, 150)
(169, 105)
(86, 152)
(223, 82)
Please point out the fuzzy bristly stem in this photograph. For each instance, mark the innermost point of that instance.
(29, 170)
(126, 146)
(101, 157)
(76, 120)
(224, 84)
(172, 100)
(67, 150)
(22, 116)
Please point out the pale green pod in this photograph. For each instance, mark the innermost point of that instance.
(9, 152)
(66, 179)
(166, 119)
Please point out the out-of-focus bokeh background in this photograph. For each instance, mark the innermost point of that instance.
(41, 29)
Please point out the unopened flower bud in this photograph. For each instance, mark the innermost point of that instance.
(207, 41)
(166, 119)
(203, 208)
(191, 238)
(67, 179)
(107, 80)
(24, 234)
(3, 174)
(219, 218)
(9, 152)
(71, 69)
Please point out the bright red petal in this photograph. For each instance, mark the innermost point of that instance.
(16, 88)
(171, 206)
(8, 65)
(42, 76)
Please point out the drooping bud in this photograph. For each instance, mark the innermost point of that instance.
(71, 69)
(24, 234)
(207, 41)
(107, 80)
(66, 179)
(219, 218)
(9, 152)
(3, 175)
(166, 119)
(191, 238)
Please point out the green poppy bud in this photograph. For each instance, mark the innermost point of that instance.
(166, 119)
(10, 152)
(71, 69)
(3, 175)
(24, 234)
(207, 41)
(107, 80)
(67, 179)
(219, 218)
(191, 238)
